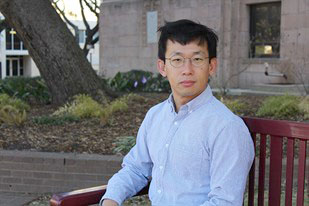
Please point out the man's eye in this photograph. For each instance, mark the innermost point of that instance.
(197, 59)
(176, 60)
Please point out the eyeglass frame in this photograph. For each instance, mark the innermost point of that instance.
(185, 61)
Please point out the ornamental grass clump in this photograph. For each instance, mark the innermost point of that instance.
(131, 97)
(280, 107)
(122, 145)
(86, 107)
(12, 110)
(235, 106)
(12, 116)
(14, 102)
(304, 106)
(115, 106)
(82, 106)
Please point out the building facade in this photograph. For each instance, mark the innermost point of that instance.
(260, 41)
(16, 61)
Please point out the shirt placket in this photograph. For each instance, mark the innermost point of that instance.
(176, 122)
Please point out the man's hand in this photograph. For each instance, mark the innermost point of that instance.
(108, 202)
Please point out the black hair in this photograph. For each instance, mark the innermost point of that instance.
(185, 31)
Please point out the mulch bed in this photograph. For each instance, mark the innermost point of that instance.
(88, 136)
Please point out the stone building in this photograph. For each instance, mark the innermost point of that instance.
(260, 41)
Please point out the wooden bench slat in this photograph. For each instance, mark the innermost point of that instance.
(252, 176)
(262, 161)
(301, 172)
(289, 172)
(275, 167)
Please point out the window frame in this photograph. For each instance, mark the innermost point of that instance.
(252, 32)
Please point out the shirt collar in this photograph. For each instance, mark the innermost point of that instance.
(201, 99)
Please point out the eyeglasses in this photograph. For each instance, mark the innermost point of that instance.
(179, 61)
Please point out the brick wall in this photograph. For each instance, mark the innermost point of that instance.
(42, 172)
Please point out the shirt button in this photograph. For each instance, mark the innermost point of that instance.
(161, 167)
(166, 145)
(175, 123)
(190, 111)
(159, 191)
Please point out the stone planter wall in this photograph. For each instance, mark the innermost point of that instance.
(42, 172)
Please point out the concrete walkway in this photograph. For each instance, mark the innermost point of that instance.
(15, 199)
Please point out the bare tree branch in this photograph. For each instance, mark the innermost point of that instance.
(224, 89)
(90, 32)
(62, 13)
(90, 40)
(83, 15)
(93, 10)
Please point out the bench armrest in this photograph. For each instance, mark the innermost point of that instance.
(81, 197)
(84, 197)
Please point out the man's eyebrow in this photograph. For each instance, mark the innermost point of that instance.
(199, 52)
(180, 53)
(175, 53)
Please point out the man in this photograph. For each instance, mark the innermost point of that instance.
(193, 148)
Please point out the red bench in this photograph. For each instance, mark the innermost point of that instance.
(271, 162)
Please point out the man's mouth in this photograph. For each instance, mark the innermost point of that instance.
(187, 83)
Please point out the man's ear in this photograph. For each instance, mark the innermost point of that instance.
(161, 67)
(213, 66)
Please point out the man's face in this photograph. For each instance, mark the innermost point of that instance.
(187, 81)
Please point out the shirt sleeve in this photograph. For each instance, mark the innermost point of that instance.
(135, 173)
(232, 154)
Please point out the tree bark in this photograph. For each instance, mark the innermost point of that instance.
(52, 46)
(3, 25)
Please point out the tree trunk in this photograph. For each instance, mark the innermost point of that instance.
(53, 48)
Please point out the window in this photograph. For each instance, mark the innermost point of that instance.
(14, 66)
(8, 37)
(265, 30)
(8, 67)
(17, 42)
(21, 66)
(12, 41)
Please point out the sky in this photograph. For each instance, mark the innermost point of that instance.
(73, 7)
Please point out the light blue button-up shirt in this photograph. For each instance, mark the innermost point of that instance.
(198, 156)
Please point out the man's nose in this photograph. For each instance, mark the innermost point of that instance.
(188, 66)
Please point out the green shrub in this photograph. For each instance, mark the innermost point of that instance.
(280, 107)
(304, 107)
(123, 144)
(26, 88)
(235, 106)
(55, 120)
(130, 81)
(12, 116)
(83, 106)
(14, 102)
(138, 80)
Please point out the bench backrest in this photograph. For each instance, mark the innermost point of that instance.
(278, 144)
